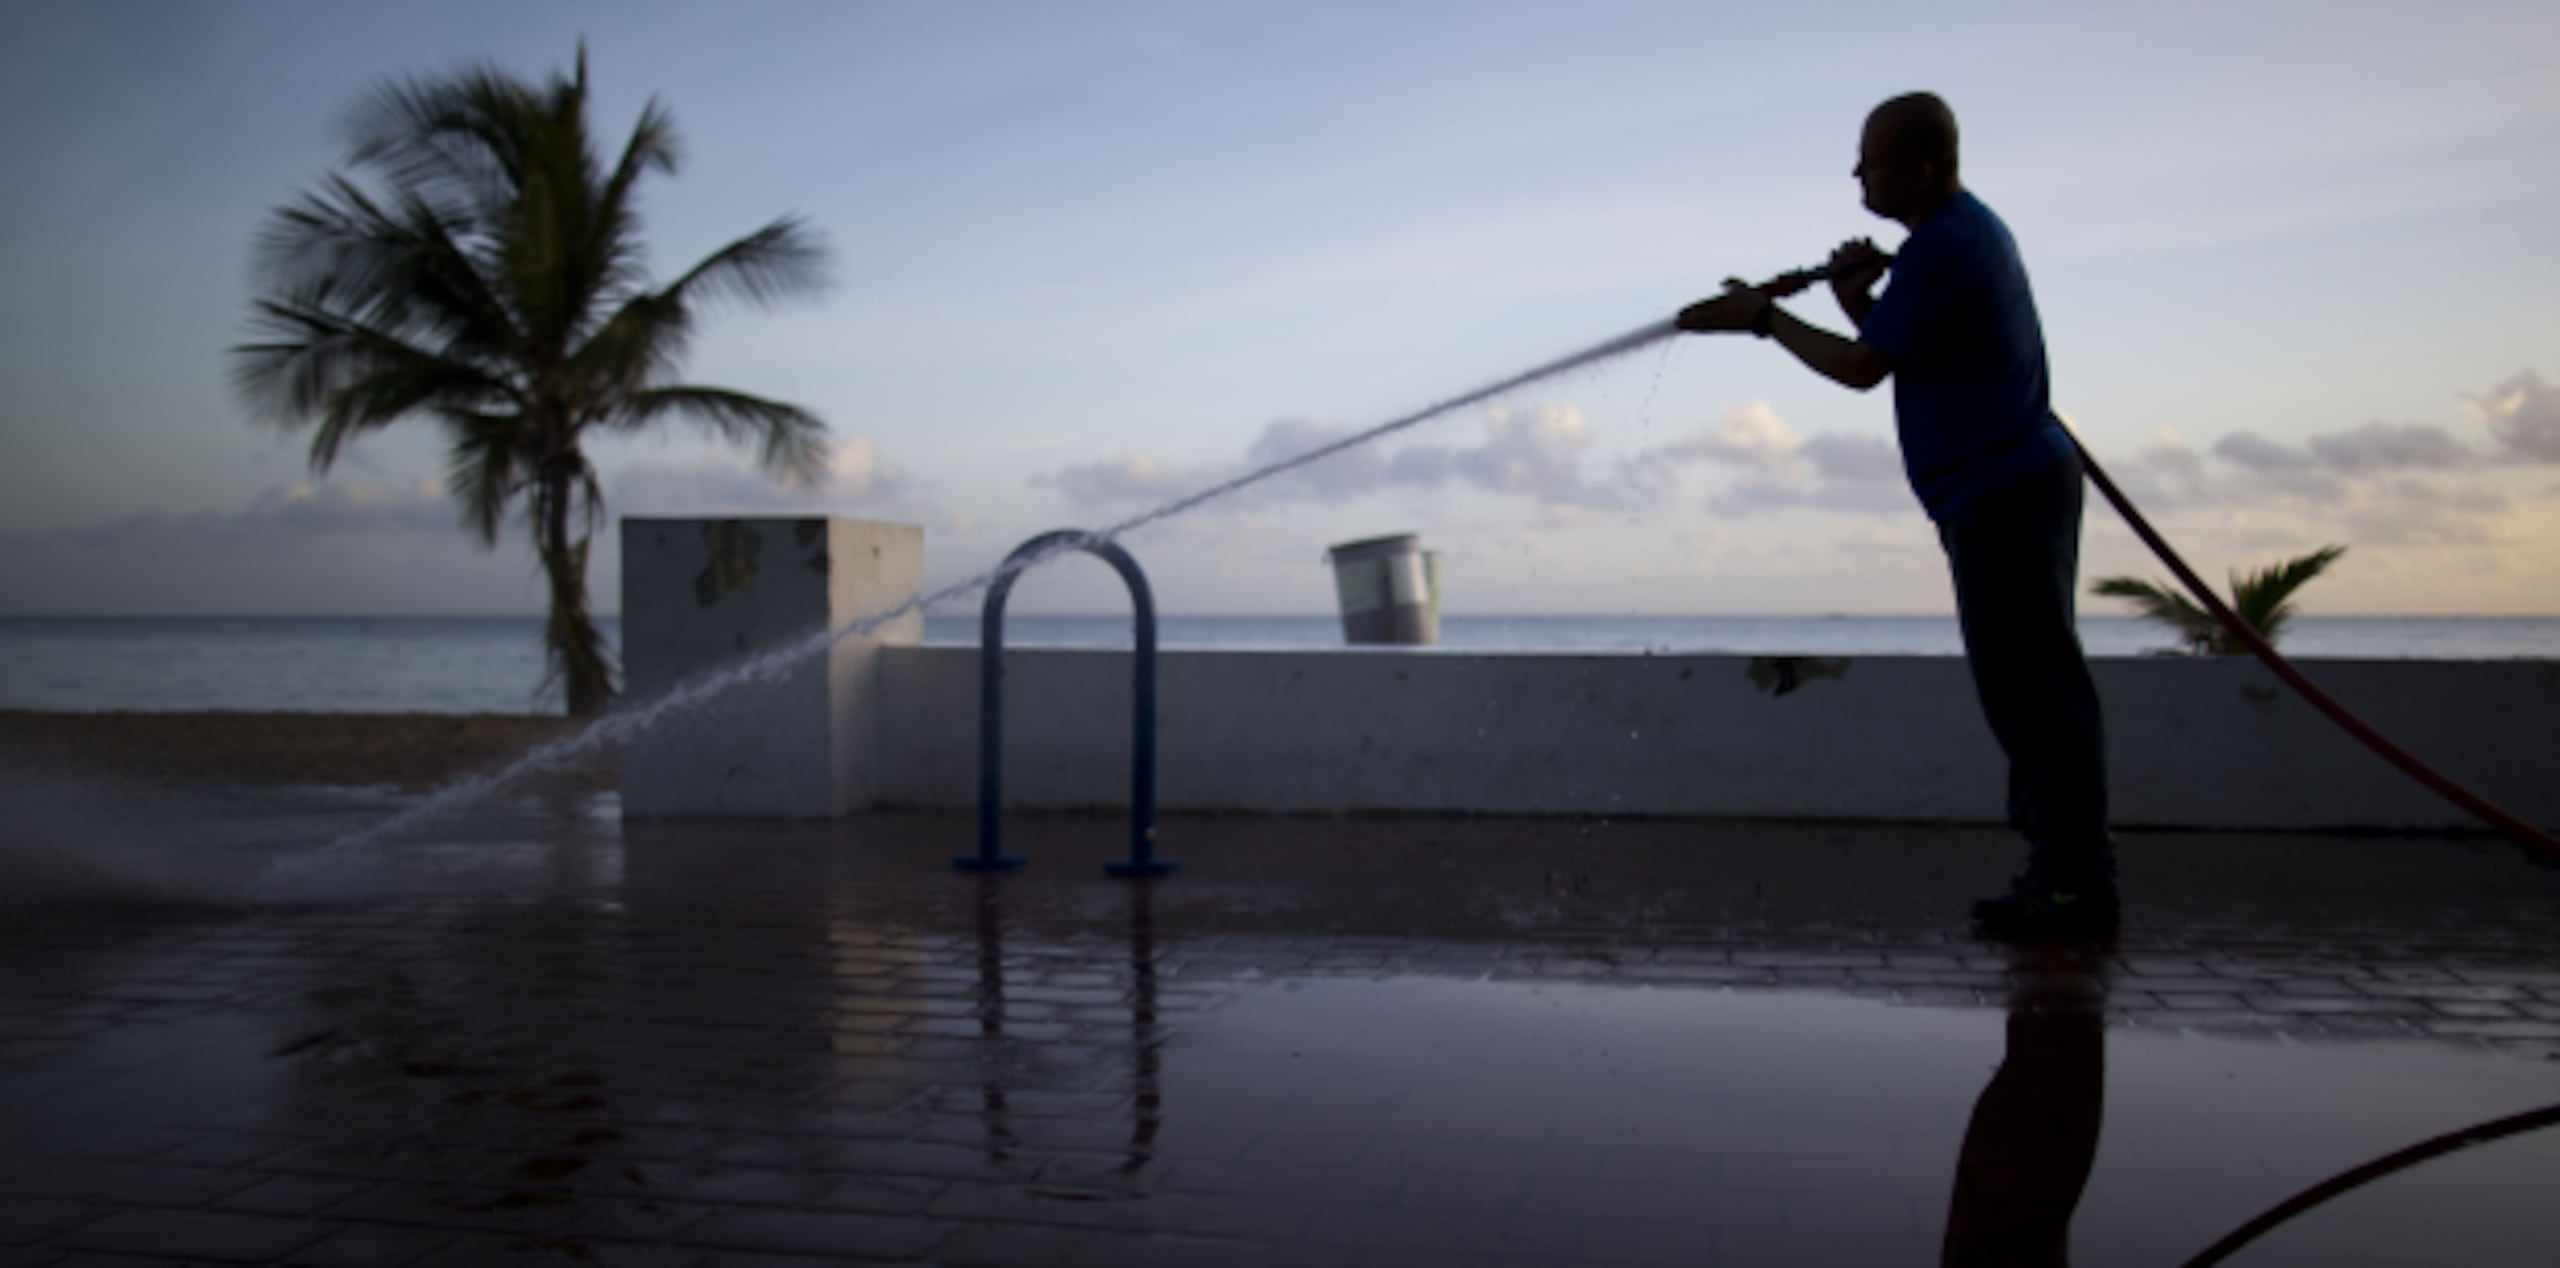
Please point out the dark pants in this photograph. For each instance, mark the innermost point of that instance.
(2015, 555)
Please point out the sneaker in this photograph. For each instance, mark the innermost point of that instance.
(2036, 906)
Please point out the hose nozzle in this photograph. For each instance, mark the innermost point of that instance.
(1796, 280)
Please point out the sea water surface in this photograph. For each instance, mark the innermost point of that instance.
(494, 664)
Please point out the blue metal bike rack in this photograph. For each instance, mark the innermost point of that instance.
(1142, 860)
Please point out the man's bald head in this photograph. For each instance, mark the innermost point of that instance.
(1917, 126)
(1907, 156)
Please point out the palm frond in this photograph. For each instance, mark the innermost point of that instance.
(2263, 598)
(2195, 626)
(338, 236)
(643, 342)
(397, 268)
(348, 377)
(460, 135)
(651, 147)
(789, 440)
(783, 259)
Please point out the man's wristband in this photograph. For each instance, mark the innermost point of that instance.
(1761, 321)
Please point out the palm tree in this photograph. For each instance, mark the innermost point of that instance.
(493, 281)
(2263, 598)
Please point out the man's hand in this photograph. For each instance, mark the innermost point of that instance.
(1855, 266)
(1733, 310)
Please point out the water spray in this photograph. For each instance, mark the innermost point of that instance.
(287, 876)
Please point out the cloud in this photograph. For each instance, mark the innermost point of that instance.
(1335, 478)
(2383, 482)
(2417, 524)
(2524, 414)
(2257, 453)
(1751, 437)
(323, 512)
(2166, 472)
(303, 510)
(1854, 459)
(856, 481)
(1757, 493)
(2168, 457)
(1127, 478)
(2471, 498)
(2388, 447)
(1534, 451)
(2308, 470)
(1783, 468)
(309, 546)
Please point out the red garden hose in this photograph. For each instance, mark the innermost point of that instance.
(2479, 806)
(1786, 284)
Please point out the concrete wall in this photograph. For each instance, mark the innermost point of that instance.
(701, 595)
(2195, 743)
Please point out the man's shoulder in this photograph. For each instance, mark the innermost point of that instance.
(1963, 232)
(1962, 219)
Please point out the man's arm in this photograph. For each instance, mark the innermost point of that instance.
(1843, 361)
(1855, 305)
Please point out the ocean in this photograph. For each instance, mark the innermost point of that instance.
(494, 664)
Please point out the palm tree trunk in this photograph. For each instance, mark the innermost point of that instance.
(576, 650)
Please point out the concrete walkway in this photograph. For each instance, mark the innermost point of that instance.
(1360, 1041)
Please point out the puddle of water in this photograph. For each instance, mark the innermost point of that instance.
(2201, 1135)
(1806, 1129)
(1459, 1119)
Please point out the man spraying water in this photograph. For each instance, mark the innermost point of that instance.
(1956, 331)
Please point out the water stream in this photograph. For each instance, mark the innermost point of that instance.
(301, 873)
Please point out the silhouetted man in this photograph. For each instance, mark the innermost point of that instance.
(1956, 331)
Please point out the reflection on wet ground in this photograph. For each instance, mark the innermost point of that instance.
(547, 1039)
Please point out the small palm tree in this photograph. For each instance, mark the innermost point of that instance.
(2263, 598)
(493, 282)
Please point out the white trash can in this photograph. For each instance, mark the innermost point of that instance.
(1389, 588)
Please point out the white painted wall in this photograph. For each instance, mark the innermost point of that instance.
(702, 595)
(879, 720)
(2195, 743)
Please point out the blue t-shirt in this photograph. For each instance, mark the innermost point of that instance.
(1970, 397)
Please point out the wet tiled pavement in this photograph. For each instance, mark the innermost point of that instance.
(552, 1039)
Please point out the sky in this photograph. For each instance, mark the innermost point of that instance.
(2293, 263)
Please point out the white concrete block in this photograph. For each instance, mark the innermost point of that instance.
(705, 596)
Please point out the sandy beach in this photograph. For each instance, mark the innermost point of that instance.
(406, 750)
